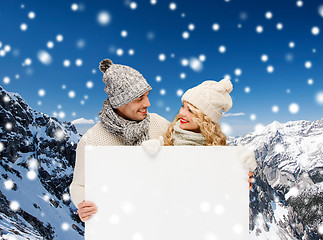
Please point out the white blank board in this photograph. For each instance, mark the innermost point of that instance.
(181, 193)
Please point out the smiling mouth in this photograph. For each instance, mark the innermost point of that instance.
(183, 121)
(143, 111)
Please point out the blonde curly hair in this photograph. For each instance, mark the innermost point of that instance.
(210, 130)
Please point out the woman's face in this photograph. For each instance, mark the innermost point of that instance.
(186, 121)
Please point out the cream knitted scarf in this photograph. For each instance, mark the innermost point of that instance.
(184, 137)
(133, 132)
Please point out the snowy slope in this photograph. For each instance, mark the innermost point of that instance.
(37, 160)
(290, 164)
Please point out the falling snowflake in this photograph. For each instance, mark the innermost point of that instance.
(299, 3)
(14, 205)
(182, 75)
(61, 115)
(74, 7)
(259, 127)
(308, 64)
(114, 219)
(65, 226)
(8, 184)
(310, 81)
(133, 5)
(222, 49)
(211, 236)
(128, 207)
(80, 43)
(172, 6)
(27, 62)
(1, 146)
(179, 92)
(131, 52)
(44, 57)
(275, 109)
(293, 108)
(226, 129)
(33, 164)
(8, 126)
(6, 98)
(103, 18)
(6, 80)
(259, 29)
(319, 98)
(124, 33)
(59, 134)
(162, 57)
(315, 30)
(247, 89)
(23, 27)
(66, 197)
(89, 84)
(202, 58)
(219, 209)
(279, 26)
(237, 228)
(205, 206)
(71, 94)
(270, 69)
(158, 78)
(153, 2)
(185, 35)
(320, 10)
(50, 44)
(191, 26)
(291, 44)
(216, 27)
(162, 92)
(238, 72)
(78, 62)
(269, 15)
(31, 15)
(59, 38)
(196, 64)
(66, 63)
(320, 229)
(184, 62)
(253, 117)
(31, 175)
(137, 236)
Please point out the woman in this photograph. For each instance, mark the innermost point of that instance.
(198, 121)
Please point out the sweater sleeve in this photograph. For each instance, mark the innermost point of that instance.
(77, 187)
(159, 126)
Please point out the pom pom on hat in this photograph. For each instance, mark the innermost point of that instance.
(105, 64)
(226, 85)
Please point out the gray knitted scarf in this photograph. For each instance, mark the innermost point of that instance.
(184, 137)
(133, 132)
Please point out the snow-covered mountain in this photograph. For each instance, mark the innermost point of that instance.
(36, 168)
(287, 199)
(38, 155)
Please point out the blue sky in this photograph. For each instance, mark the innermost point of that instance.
(288, 33)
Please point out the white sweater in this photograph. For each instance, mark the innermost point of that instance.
(98, 136)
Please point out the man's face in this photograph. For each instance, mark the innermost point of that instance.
(135, 110)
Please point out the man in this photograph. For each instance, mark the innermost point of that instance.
(124, 121)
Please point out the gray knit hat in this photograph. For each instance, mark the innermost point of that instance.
(123, 84)
(211, 98)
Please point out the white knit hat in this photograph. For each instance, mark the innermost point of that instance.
(211, 98)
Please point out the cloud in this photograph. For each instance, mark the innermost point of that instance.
(233, 114)
(83, 121)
